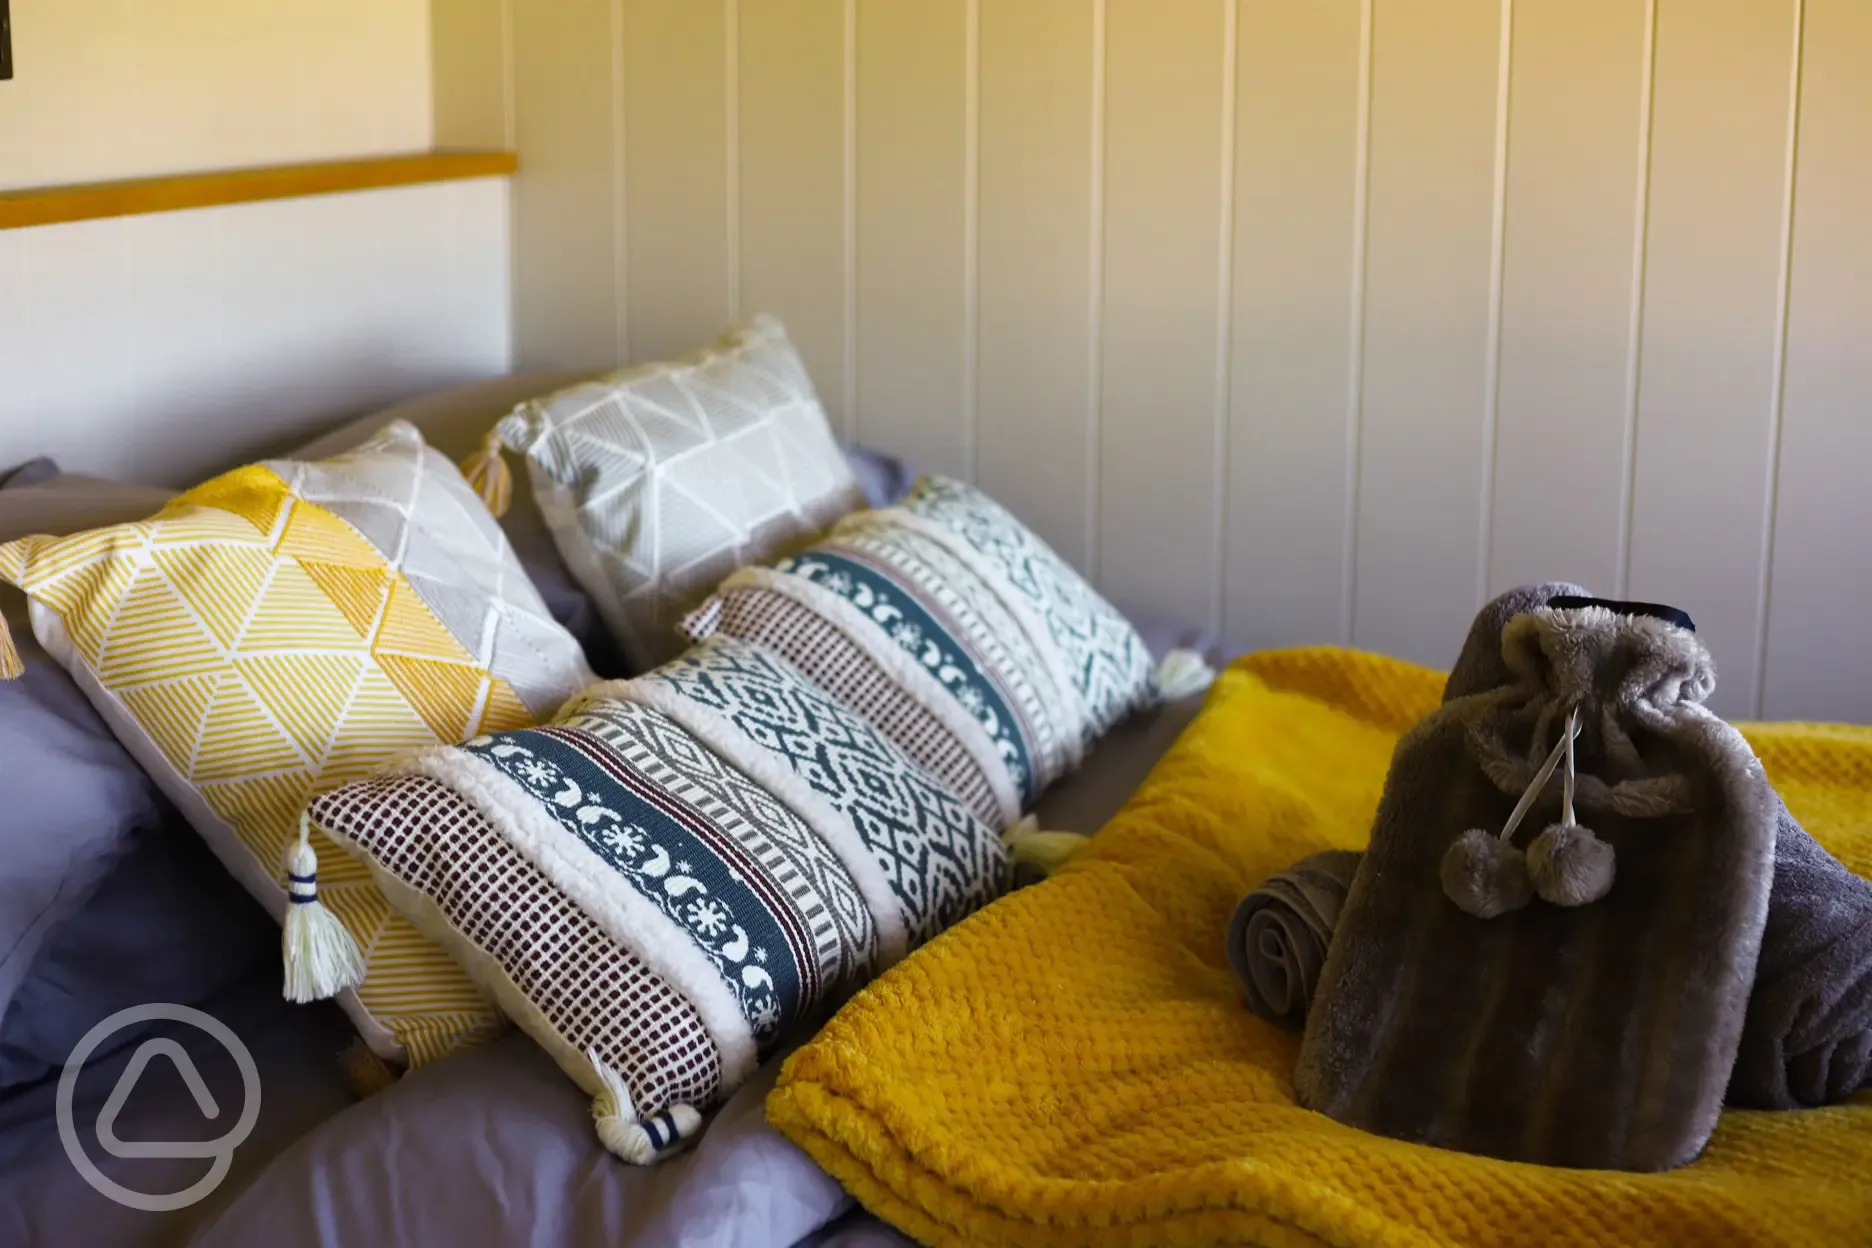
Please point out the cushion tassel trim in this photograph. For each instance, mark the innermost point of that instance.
(640, 1141)
(1045, 852)
(1183, 674)
(10, 666)
(488, 475)
(365, 1071)
(322, 960)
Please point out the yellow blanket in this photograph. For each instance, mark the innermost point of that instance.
(1073, 1065)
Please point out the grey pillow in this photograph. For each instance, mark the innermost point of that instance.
(168, 923)
(72, 796)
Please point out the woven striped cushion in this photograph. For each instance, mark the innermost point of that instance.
(676, 876)
(958, 633)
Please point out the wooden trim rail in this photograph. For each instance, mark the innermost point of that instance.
(55, 205)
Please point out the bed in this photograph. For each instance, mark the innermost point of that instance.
(492, 1146)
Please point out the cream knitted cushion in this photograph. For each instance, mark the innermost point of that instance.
(659, 480)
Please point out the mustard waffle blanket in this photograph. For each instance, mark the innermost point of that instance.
(1074, 1065)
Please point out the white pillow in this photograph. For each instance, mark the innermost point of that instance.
(659, 480)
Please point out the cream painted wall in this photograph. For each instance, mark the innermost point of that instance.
(159, 348)
(1317, 321)
(108, 89)
(165, 347)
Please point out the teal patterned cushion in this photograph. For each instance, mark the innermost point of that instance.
(957, 632)
(676, 876)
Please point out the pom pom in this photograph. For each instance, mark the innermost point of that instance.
(1570, 866)
(1485, 875)
(1182, 674)
(1044, 852)
(640, 1141)
(365, 1072)
(10, 666)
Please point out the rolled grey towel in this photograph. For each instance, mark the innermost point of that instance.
(1278, 936)
(1808, 1037)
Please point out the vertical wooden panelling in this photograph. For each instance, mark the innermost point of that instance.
(1427, 365)
(1164, 179)
(469, 72)
(1332, 334)
(676, 215)
(479, 303)
(1817, 664)
(1035, 353)
(1574, 204)
(792, 119)
(1707, 392)
(1298, 178)
(913, 383)
(566, 296)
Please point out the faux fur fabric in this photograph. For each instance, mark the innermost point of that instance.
(1599, 1035)
(1808, 1036)
(1278, 937)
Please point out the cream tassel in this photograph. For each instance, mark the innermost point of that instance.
(641, 1142)
(488, 474)
(1183, 674)
(1046, 852)
(321, 958)
(10, 666)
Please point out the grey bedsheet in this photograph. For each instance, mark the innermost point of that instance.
(43, 1199)
(494, 1147)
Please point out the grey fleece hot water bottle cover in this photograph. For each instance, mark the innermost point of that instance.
(1547, 952)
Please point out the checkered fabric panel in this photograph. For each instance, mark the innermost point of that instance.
(829, 658)
(593, 993)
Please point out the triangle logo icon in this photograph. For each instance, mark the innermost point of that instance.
(162, 1046)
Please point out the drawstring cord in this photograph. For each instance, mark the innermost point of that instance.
(1566, 865)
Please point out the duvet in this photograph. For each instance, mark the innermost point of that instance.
(492, 1147)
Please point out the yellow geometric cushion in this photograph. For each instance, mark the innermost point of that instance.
(252, 647)
(1074, 1065)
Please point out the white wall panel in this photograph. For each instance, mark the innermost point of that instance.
(1316, 321)
(913, 279)
(568, 275)
(1299, 238)
(792, 179)
(1818, 663)
(1576, 130)
(1424, 448)
(679, 288)
(1707, 394)
(1034, 444)
(1168, 72)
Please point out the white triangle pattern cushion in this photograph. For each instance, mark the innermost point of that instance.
(659, 480)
